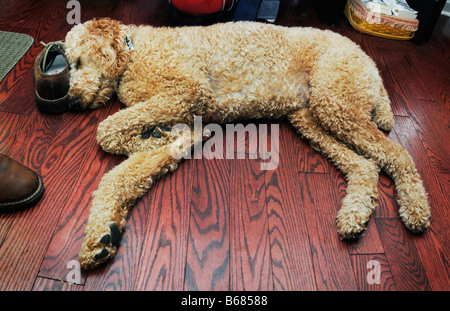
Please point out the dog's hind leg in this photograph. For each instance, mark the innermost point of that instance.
(339, 113)
(117, 192)
(361, 175)
(382, 112)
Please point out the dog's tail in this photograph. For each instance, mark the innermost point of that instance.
(382, 112)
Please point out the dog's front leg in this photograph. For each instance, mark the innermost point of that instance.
(117, 192)
(124, 132)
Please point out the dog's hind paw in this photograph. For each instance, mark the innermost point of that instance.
(354, 215)
(350, 230)
(102, 249)
(414, 209)
(416, 220)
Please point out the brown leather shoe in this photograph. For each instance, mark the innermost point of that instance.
(20, 187)
(51, 79)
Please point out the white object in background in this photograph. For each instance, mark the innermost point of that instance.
(401, 9)
(446, 10)
(378, 8)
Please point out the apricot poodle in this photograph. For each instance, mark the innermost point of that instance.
(322, 82)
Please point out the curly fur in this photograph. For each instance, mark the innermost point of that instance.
(326, 86)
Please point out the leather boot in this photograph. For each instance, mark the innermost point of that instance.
(20, 187)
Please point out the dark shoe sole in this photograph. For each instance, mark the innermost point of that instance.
(25, 203)
(52, 106)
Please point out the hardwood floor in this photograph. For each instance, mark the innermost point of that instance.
(224, 224)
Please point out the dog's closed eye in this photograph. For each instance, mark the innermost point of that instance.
(78, 64)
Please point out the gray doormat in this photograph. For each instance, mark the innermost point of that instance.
(12, 47)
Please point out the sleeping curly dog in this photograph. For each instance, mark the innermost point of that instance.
(323, 83)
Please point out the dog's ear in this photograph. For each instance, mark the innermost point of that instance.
(111, 50)
(122, 59)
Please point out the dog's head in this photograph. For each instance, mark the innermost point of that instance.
(97, 53)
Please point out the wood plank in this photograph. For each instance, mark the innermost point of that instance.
(432, 61)
(372, 273)
(431, 122)
(290, 249)
(44, 284)
(11, 125)
(136, 12)
(250, 266)
(404, 260)
(31, 143)
(431, 247)
(25, 245)
(437, 187)
(30, 14)
(387, 207)
(163, 259)
(435, 179)
(306, 159)
(369, 242)
(402, 82)
(332, 265)
(35, 138)
(242, 138)
(434, 252)
(120, 273)
(208, 256)
(67, 238)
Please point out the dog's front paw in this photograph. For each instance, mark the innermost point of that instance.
(98, 247)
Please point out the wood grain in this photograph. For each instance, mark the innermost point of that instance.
(250, 266)
(290, 250)
(387, 205)
(429, 246)
(163, 259)
(406, 134)
(368, 277)
(332, 264)
(10, 126)
(121, 272)
(67, 238)
(369, 243)
(24, 246)
(432, 125)
(432, 59)
(43, 284)
(306, 159)
(208, 256)
(406, 266)
(224, 224)
(400, 92)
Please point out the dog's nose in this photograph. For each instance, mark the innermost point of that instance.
(75, 105)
